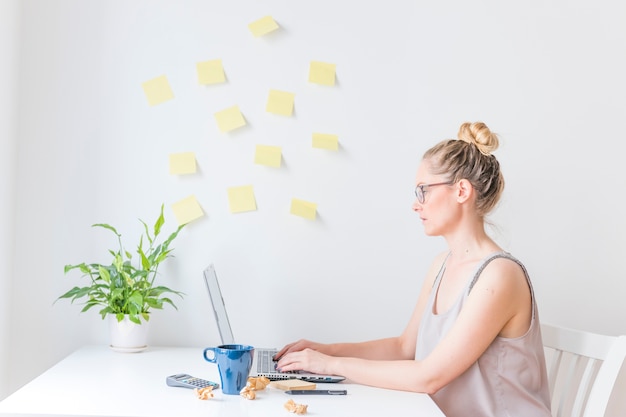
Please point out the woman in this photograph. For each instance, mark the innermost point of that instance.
(473, 341)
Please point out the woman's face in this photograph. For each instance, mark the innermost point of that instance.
(439, 208)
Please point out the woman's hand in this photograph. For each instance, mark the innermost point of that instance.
(296, 347)
(308, 360)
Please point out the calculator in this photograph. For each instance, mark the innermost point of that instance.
(188, 381)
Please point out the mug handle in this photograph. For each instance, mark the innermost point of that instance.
(206, 358)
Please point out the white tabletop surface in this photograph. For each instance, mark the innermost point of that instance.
(96, 381)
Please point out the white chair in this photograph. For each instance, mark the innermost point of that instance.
(582, 370)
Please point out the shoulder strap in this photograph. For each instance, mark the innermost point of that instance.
(441, 271)
(505, 255)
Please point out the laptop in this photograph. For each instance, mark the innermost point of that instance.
(263, 363)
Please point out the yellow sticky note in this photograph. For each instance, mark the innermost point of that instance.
(303, 208)
(157, 90)
(229, 119)
(182, 163)
(325, 141)
(280, 102)
(268, 155)
(210, 72)
(263, 26)
(322, 73)
(187, 210)
(241, 199)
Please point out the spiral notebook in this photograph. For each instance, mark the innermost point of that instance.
(263, 364)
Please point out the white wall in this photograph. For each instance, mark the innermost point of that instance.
(9, 19)
(547, 76)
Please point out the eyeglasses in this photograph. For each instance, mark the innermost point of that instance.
(420, 190)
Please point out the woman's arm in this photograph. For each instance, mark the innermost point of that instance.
(499, 300)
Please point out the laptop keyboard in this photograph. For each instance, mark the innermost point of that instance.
(265, 361)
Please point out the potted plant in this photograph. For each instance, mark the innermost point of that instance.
(127, 290)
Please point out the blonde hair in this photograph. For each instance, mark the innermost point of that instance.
(469, 157)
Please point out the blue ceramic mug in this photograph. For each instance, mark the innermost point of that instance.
(234, 363)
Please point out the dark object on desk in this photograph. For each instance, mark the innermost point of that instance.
(317, 392)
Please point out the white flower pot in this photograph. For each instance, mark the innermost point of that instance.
(127, 336)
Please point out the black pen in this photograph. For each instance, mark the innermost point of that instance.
(317, 392)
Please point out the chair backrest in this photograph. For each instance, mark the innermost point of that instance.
(582, 370)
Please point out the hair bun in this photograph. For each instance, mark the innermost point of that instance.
(479, 134)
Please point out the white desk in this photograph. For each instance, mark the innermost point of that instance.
(96, 381)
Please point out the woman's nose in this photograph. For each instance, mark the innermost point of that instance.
(416, 205)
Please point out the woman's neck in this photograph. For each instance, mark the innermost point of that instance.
(470, 243)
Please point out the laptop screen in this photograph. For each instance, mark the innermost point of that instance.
(219, 308)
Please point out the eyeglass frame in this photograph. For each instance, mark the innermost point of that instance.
(421, 187)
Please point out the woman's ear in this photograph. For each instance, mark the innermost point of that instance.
(464, 190)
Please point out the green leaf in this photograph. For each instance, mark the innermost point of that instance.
(171, 237)
(136, 298)
(104, 274)
(159, 223)
(158, 290)
(88, 306)
(106, 226)
(71, 293)
(83, 268)
(145, 263)
(162, 257)
(134, 318)
(154, 302)
(118, 262)
(132, 309)
(147, 232)
(170, 302)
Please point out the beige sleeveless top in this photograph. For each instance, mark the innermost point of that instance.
(509, 379)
